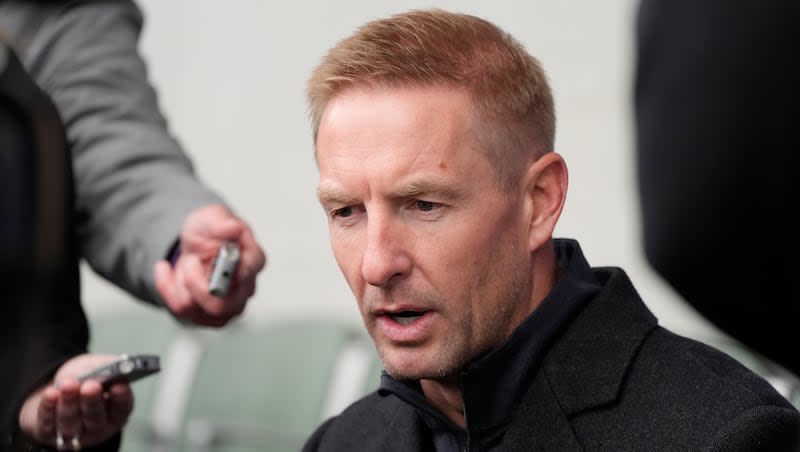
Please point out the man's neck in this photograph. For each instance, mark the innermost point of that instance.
(447, 397)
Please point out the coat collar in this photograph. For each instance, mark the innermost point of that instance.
(585, 368)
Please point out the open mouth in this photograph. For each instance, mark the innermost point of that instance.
(406, 317)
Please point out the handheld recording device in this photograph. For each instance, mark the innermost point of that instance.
(126, 367)
(224, 269)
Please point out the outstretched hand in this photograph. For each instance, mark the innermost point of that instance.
(82, 414)
(184, 285)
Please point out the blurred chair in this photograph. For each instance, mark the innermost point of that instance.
(267, 388)
(244, 388)
(146, 330)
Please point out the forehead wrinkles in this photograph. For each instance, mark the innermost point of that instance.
(393, 133)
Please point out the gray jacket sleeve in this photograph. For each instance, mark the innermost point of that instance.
(134, 183)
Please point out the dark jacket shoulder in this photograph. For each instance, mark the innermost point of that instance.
(624, 382)
(374, 422)
(679, 393)
(616, 380)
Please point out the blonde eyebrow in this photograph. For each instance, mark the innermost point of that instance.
(333, 195)
(328, 194)
(433, 185)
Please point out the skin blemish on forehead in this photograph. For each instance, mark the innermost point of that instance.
(442, 165)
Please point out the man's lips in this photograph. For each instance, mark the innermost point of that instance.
(406, 317)
(404, 324)
(401, 314)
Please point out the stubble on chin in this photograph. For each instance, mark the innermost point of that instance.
(437, 359)
(442, 363)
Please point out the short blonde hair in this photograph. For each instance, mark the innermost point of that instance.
(508, 87)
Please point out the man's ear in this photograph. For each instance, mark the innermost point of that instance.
(546, 191)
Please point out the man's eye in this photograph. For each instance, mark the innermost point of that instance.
(344, 212)
(425, 206)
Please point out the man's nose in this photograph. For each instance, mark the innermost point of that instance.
(386, 257)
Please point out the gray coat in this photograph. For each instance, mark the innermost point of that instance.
(134, 184)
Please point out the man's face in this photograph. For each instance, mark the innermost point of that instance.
(436, 255)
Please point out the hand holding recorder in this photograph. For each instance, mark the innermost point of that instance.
(206, 285)
(88, 401)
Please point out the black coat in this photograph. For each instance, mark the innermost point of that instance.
(614, 380)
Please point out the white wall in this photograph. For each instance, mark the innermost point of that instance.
(232, 76)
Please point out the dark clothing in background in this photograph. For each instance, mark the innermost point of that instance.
(43, 323)
(611, 379)
(716, 101)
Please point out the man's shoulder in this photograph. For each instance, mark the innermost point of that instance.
(374, 422)
(624, 382)
(677, 384)
(678, 361)
(616, 345)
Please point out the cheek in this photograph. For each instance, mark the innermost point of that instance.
(496, 253)
(348, 257)
(463, 264)
(471, 248)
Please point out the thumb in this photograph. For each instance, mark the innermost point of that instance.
(214, 222)
(227, 228)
